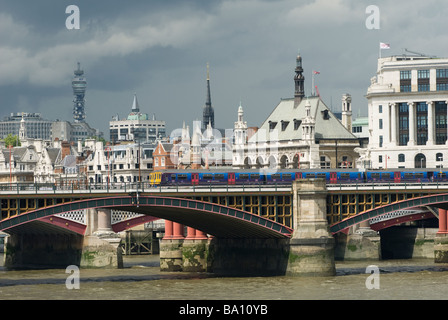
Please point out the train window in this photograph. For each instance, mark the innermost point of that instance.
(243, 176)
(408, 176)
(173, 177)
(375, 175)
(207, 177)
(345, 176)
(276, 176)
(254, 176)
(419, 175)
(321, 175)
(386, 176)
(310, 175)
(182, 176)
(219, 176)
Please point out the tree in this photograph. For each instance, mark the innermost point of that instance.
(11, 140)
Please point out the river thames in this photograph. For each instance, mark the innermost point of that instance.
(141, 279)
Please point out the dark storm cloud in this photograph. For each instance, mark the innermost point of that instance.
(159, 49)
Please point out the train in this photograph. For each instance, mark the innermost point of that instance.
(286, 176)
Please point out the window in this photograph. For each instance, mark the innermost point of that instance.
(423, 87)
(325, 162)
(403, 124)
(439, 156)
(422, 123)
(442, 73)
(441, 122)
(405, 75)
(405, 88)
(380, 108)
(381, 141)
(380, 123)
(380, 159)
(284, 125)
(357, 129)
(423, 74)
(442, 86)
(297, 124)
(401, 157)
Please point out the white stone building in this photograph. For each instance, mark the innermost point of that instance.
(300, 132)
(407, 102)
(137, 127)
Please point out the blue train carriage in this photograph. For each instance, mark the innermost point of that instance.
(406, 175)
(381, 176)
(333, 175)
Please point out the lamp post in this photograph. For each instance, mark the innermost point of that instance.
(108, 166)
(10, 169)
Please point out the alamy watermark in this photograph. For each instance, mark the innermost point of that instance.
(72, 281)
(73, 20)
(373, 281)
(373, 20)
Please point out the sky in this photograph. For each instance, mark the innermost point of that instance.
(159, 50)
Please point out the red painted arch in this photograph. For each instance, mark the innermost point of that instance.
(214, 219)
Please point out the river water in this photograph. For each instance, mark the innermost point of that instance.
(141, 279)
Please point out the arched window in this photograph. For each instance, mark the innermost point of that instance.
(420, 161)
(401, 157)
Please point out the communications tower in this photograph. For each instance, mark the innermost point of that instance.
(79, 85)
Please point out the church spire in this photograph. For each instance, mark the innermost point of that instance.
(22, 130)
(135, 106)
(208, 114)
(299, 79)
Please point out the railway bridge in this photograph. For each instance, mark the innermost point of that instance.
(255, 229)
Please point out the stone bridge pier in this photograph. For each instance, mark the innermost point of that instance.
(309, 252)
(42, 246)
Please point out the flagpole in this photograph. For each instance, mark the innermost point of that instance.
(312, 88)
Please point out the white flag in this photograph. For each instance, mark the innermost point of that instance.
(384, 45)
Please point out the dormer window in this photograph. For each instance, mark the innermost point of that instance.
(272, 125)
(284, 125)
(297, 124)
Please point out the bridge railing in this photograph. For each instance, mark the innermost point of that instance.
(39, 188)
(381, 185)
(45, 188)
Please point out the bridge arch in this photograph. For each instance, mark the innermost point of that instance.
(217, 220)
(436, 201)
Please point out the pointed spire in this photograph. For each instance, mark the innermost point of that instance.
(299, 79)
(135, 106)
(208, 114)
(22, 130)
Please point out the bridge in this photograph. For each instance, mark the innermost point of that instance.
(224, 212)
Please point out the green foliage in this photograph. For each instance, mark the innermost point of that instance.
(12, 140)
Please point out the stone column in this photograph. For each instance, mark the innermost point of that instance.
(442, 221)
(411, 141)
(311, 250)
(441, 239)
(191, 233)
(200, 235)
(393, 124)
(168, 230)
(104, 221)
(178, 231)
(431, 117)
(195, 251)
(101, 247)
(171, 249)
